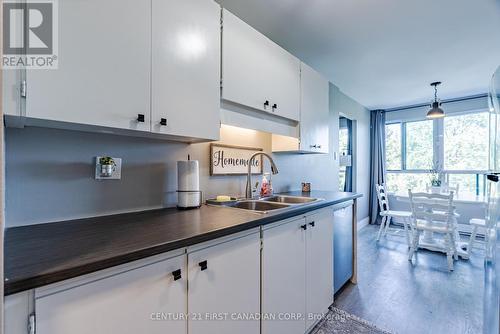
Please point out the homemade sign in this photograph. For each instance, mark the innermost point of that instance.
(233, 160)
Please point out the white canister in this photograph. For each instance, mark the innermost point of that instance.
(188, 184)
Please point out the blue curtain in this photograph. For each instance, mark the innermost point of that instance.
(348, 169)
(377, 160)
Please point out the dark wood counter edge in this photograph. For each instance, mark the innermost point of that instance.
(12, 287)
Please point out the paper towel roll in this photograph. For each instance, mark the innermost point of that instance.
(188, 175)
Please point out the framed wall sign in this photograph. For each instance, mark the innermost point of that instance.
(233, 160)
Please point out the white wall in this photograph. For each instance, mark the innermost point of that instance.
(349, 108)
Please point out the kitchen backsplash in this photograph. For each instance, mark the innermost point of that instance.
(49, 172)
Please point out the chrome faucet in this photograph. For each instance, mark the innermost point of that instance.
(274, 170)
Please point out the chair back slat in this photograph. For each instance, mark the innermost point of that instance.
(433, 208)
(383, 202)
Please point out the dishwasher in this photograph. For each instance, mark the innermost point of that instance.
(342, 246)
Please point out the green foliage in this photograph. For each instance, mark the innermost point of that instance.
(419, 148)
(106, 161)
(393, 146)
(466, 141)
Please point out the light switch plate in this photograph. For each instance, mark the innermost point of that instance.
(117, 173)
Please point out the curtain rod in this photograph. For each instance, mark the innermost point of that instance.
(459, 99)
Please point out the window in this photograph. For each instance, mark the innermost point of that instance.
(472, 184)
(461, 158)
(343, 148)
(401, 182)
(417, 141)
(466, 140)
(393, 146)
(419, 148)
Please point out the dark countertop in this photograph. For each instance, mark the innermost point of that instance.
(42, 254)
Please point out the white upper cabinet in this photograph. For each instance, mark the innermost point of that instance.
(314, 116)
(104, 70)
(186, 68)
(256, 72)
(130, 302)
(314, 110)
(155, 67)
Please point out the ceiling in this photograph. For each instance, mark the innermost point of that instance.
(384, 53)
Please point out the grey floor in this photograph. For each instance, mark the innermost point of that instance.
(418, 297)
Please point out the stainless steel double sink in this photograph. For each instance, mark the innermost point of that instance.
(272, 203)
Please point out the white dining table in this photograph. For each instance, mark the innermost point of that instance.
(427, 239)
(460, 198)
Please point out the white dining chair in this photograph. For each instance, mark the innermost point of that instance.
(387, 214)
(476, 224)
(433, 213)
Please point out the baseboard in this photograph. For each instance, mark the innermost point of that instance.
(363, 222)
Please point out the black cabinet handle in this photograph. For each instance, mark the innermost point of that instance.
(163, 121)
(314, 146)
(275, 106)
(312, 224)
(304, 227)
(203, 265)
(266, 104)
(177, 274)
(140, 118)
(319, 146)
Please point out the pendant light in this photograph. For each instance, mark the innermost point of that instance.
(436, 111)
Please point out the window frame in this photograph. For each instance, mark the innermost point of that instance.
(438, 152)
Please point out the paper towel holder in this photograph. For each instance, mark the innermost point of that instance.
(193, 192)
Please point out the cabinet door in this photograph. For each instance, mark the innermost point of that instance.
(256, 70)
(314, 111)
(284, 278)
(128, 303)
(104, 69)
(224, 283)
(186, 68)
(319, 265)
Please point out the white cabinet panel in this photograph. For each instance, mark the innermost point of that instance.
(255, 70)
(186, 68)
(11, 87)
(104, 69)
(224, 281)
(284, 278)
(314, 116)
(17, 309)
(319, 265)
(314, 111)
(126, 303)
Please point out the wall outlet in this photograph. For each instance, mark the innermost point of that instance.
(116, 174)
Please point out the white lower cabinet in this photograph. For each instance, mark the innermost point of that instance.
(131, 302)
(282, 273)
(319, 265)
(224, 286)
(284, 278)
(297, 273)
